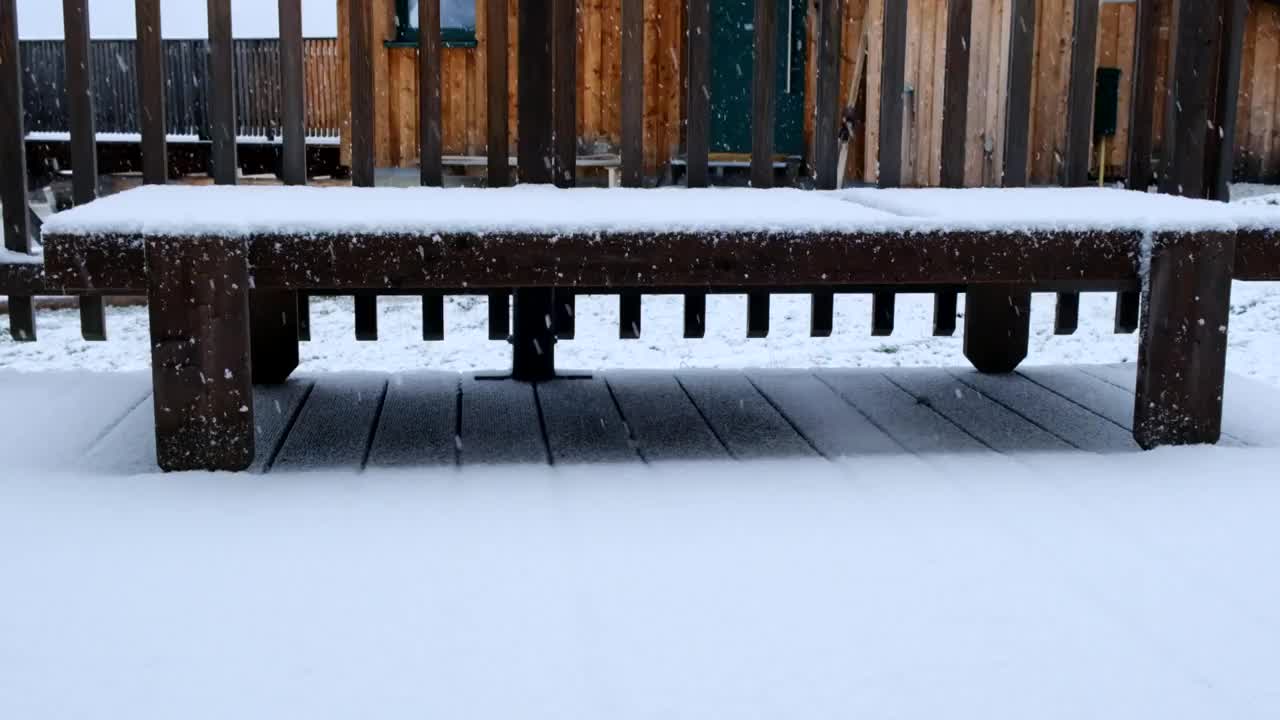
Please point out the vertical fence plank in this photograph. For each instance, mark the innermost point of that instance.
(564, 46)
(1187, 103)
(80, 101)
(698, 131)
(1222, 132)
(534, 108)
(366, 312)
(293, 94)
(1142, 110)
(151, 92)
(221, 93)
(758, 314)
(883, 310)
(432, 313)
(499, 315)
(1017, 132)
(892, 91)
(822, 312)
(629, 314)
(632, 93)
(429, 119)
(1080, 92)
(955, 93)
(498, 87)
(362, 99)
(695, 315)
(945, 307)
(763, 93)
(828, 101)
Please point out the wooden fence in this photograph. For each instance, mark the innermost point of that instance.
(1199, 108)
(187, 102)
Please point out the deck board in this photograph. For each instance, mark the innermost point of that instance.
(499, 423)
(915, 426)
(582, 422)
(419, 422)
(333, 428)
(663, 422)
(827, 422)
(741, 417)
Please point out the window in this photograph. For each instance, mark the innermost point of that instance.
(457, 22)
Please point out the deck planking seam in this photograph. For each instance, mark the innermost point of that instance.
(923, 401)
(860, 411)
(787, 418)
(626, 424)
(457, 424)
(288, 428)
(1073, 401)
(1013, 410)
(97, 441)
(373, 426)
(542, 426)
(705, 420)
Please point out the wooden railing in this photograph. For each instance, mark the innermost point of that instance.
(1199, 110)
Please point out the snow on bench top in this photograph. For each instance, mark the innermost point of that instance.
(9, 257)
(247, 211)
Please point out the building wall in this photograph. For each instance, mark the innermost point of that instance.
(599, 91)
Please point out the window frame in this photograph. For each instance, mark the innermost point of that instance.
(408, 36)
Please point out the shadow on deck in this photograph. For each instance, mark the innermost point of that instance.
(356, 421)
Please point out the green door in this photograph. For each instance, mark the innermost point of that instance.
(732, 65)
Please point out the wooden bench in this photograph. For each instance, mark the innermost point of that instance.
(222, 266)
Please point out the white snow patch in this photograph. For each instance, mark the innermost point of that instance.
(179, 19)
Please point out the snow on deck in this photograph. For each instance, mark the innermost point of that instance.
(242, 211)
(982, 568)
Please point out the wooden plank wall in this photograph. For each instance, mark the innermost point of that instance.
(599, 78)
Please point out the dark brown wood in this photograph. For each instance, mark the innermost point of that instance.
(366, 311)
(822, 313)
(222, 94)
(1066, 316)
(362, 95)
(432, 316)
(1080, 91)
(13, 152)
(273, 322)
(632, 93)
(564, 46)
(533, 342)
(22, 318)
(695, 315)
(829, 103)
(293, 99)
(198, 307)
(1258, 255)
(1128, 305)
(893, 91)
(500, 315)
(304, 317)
(883, 309)
(534, 109)
(1187, 102)
(1182, 349)
(698, 130)
(430, 139)
(955, 93)
(629, 315)
(566, 314)
(80, 102)
(1017, 131)
(498, 85)
(1142, 110)
(93, 318)
(764, 92)
(997, 327)
(1221, 140)
(945, 308)
(757, 314)
(151, 92)
(587, 261)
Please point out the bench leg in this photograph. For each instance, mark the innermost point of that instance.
(1182, 351)
(533, 340)
(198, 305)
(274, 323)
(997, 327)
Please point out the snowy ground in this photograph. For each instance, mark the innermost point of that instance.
(1254, 337)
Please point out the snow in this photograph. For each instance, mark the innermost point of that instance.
(52, 136)
(962, 585)
(179, 19)
(1064, 208)
(9, 257)
(241, 211)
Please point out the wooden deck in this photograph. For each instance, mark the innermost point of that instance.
(349, 422)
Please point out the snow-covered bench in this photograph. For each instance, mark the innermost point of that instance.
(207, 255)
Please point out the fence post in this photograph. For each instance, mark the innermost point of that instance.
(632, 93)
(826, 144)
(151, 92)
(84, 150)
(892, 90)
(293, 88)
(13, 158)
(955, 93)
(222, 94)
(1142, 109)
(498, 85)
(698, 130)
(429, 140)
(763, 101)
(362, 99)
